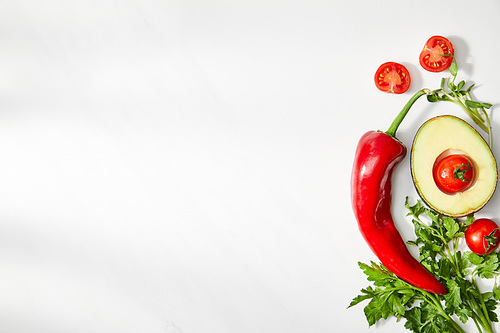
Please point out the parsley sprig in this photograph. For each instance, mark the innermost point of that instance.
(438, 239)
(460, 95)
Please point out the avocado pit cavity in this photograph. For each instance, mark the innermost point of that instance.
(454, 172)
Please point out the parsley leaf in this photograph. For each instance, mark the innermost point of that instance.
(437, 238)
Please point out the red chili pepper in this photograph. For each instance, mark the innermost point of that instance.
(377, 156)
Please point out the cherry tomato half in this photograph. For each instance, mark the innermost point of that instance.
(454, 173)
(482, 236)
(392, 77)
(433, 56)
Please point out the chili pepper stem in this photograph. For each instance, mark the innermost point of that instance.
(399, 118)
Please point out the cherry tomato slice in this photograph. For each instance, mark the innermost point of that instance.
(454, 173)
(432, 57)
(392, 77)
(482, 236)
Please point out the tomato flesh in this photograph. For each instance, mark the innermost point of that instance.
(482, 236)
(454, 173)
(436, 56)
(392, 77)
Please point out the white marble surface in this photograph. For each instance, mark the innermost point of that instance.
(183, 166)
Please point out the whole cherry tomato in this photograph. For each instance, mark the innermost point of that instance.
(392, 77)
(482, 236)
(454, 173)
(436, 55)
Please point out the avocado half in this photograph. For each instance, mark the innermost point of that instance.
(442, 136)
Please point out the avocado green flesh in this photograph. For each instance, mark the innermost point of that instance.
(449, 133)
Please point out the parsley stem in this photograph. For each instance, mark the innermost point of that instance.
(481, 316)
(475, 317)
(476, 322)
(485, 318)
(434, 301)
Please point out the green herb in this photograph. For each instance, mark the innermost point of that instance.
(458, 94)
(438, 238)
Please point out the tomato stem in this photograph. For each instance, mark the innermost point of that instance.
(399, 118)
(490, 240)
(459, 172)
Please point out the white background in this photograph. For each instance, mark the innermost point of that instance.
(183, 166)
